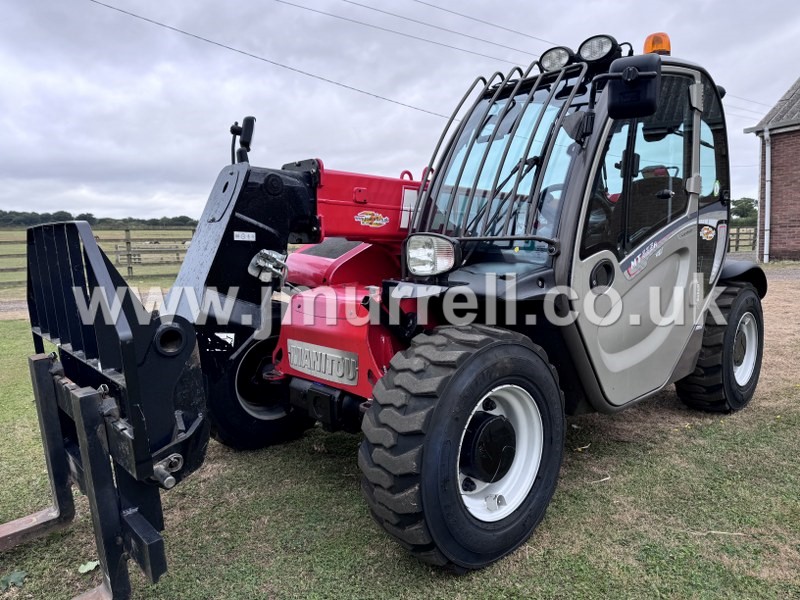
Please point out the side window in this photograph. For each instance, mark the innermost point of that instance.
(639, 187)
(708, 166)
(605, 222)
(713, 148)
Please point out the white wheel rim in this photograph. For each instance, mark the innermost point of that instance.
(745, 349)
(490, 502)
(262, 412)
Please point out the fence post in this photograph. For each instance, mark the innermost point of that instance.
(128, 252)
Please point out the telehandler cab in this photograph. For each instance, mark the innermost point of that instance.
(565, 251)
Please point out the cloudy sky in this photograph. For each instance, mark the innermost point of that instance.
(105, 113)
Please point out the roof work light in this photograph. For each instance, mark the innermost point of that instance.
(556, 58)
(598, 48)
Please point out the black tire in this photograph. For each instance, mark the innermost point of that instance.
(246, 412)
(726, 347)
(412, 459)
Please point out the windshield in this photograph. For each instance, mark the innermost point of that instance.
(508, 151)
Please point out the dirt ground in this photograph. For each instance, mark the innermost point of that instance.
(11, 310)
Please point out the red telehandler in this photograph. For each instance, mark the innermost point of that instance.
(564, 252)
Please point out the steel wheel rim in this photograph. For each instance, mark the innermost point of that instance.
(745, 349)
(520, 409)
(262, 412)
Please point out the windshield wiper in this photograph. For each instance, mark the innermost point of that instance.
(528, 163)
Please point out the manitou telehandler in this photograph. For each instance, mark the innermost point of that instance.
(565, 251)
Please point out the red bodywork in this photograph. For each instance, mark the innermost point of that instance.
(334, 314)
(365, 208)
(335, 318)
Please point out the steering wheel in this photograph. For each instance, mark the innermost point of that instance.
(547, 208)
(601, 200)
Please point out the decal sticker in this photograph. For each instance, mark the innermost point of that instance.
(716, 188)
(639, 262)
(707, 233)
(370, 218)
(244, 236)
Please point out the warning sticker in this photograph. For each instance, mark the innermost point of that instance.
(707, 233)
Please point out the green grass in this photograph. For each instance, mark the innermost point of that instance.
(696, 506)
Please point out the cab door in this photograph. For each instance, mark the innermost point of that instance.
(714, 201)
(634, 268)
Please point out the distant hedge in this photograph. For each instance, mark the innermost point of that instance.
(11, 218)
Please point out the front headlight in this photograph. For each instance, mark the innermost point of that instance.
(430, 254)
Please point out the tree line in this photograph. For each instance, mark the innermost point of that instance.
(744, 212)
(12, 218)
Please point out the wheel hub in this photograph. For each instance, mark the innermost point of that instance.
(500, 452)
(739, 347)
(259, 397)
(745, 349)
(489, 446)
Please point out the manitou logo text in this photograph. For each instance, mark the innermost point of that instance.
(326, 363)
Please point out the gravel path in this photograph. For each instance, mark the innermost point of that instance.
(18, 309)
(783, 273)
(13, 309)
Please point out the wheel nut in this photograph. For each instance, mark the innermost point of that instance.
(468, 485)
(495, 502)
(489, 404)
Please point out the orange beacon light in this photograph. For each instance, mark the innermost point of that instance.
(657, 43)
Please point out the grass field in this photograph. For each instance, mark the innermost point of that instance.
(655, 502)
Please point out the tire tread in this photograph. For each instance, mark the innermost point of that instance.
(704, 388)
(390, 456)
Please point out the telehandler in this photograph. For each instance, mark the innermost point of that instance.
(563, 252)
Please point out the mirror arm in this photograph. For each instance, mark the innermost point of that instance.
(245, 134)
(235, 131)
(589, 117)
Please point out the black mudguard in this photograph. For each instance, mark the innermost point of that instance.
(744, 270)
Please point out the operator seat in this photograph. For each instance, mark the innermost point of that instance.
(650, 201)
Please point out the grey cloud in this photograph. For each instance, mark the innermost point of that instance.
(103, 113)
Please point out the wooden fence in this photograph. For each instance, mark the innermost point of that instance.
(741, 239)
(158, 251)
(141, 254)
(152, 257)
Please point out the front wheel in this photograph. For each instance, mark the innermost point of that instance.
(248, 412)
(463, 445)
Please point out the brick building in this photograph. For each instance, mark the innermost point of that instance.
(779, 198)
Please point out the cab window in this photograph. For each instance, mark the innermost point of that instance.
(640, 183)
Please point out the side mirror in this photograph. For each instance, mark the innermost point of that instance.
(246, 136)
(634, 86)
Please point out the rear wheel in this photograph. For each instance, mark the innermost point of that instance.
(247, 412)
(463, 445)
(729, 364)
